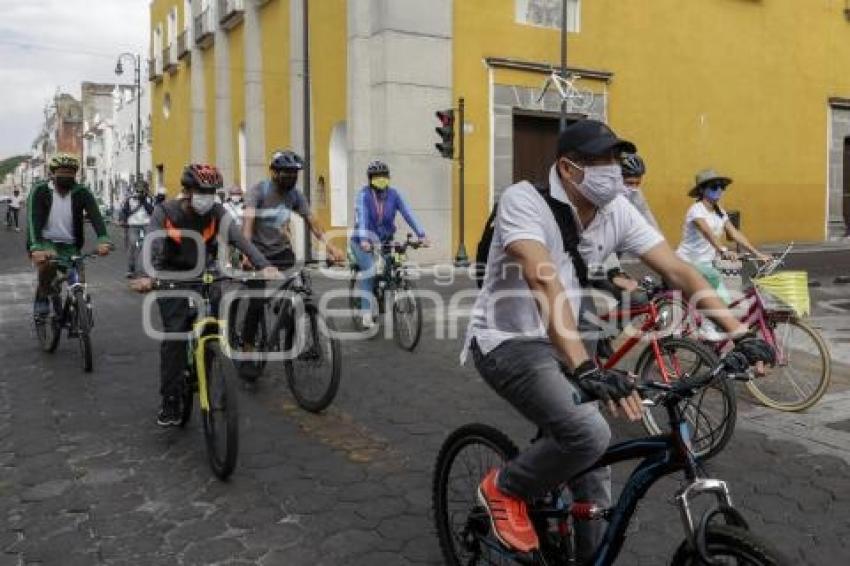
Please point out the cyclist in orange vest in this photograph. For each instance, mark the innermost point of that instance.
(185, 221)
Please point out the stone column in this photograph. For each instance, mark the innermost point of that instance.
(223, 111)
(255, 108)
(391, 104)
(198, 96)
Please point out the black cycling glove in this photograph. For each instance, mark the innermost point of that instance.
(754, 350)
(603, 384)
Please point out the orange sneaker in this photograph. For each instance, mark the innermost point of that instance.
(508, 515)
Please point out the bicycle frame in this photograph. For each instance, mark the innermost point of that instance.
(205, 328)
(660, 456)
(645, 329)
(756, 315)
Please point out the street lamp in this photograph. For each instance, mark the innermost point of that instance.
(137, 68)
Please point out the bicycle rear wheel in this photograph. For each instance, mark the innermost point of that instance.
(711, 413)
(84, 319)
(803, 370)
(313, 373)
(221, 421)
(463, 525)
(733, 546)
(407, 317)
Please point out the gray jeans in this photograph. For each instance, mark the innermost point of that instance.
(528, 374)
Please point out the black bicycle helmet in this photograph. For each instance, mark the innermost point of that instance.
(201, 177)
(632, 165)
(377, 168)
(286, 160)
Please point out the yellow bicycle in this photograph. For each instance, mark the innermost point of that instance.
(209, 372)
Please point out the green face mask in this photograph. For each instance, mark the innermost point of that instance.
(380, 183)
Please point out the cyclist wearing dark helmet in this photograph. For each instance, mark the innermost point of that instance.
(265, 221)
(177, 228)
(56, 213)
(634, 168)
(375, 212)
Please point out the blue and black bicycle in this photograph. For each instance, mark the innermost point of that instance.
(720, 536)
(70, 309)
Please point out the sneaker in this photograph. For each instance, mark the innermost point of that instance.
(708, 332)
(131, 274)
(508, 516)
(169, 414)
(41, 308)
(17, 229)
(367, 321)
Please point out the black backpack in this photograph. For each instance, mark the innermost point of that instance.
(566, 224)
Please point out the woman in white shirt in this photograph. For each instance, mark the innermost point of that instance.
(705, 224)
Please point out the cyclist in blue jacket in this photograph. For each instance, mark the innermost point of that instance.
(375, 212)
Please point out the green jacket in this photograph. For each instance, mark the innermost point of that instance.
(83, 204)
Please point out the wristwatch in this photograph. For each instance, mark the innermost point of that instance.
(723, 249)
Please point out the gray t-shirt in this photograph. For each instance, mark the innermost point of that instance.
(60, 223)
(273, 212)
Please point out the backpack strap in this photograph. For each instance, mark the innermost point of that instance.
(566, 221)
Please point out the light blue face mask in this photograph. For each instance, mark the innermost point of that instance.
(714, 194)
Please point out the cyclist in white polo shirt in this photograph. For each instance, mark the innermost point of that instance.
(523, 336)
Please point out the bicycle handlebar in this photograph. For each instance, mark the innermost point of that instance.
(71, 260)
(733, 366)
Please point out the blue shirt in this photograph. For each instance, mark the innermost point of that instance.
(375, 212)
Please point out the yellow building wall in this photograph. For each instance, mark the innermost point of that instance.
(237, 97)
(740, 86)
(329, 62)
(274, 23)
(172, 137)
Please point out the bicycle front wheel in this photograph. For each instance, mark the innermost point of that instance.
(221, 419)
(407, 317)
(711, 413)
(84, 322)
(463, 525)
(803, 369)
(48, 329)
(314, 367)
(730, 545)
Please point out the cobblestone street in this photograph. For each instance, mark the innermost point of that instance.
(87, 478)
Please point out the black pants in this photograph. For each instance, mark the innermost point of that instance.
(283, 260)
(177, 316)
(12, 216)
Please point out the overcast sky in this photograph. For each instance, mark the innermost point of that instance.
(45, 44)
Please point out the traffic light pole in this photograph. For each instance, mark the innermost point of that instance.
(462, 259)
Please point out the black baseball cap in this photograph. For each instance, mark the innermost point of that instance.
(593, 139)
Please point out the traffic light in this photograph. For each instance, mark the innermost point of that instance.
(447, 133)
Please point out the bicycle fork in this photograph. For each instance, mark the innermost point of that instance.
(696, 533)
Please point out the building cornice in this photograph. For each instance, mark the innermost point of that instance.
(546, 68)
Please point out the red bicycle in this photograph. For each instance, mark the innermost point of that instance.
(711, 412)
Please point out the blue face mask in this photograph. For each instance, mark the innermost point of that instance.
(714, 194)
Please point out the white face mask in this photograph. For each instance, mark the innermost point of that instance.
(202, 203)
(601, 184)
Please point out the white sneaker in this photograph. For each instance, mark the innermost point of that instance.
(367, 321)
(709, 333)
